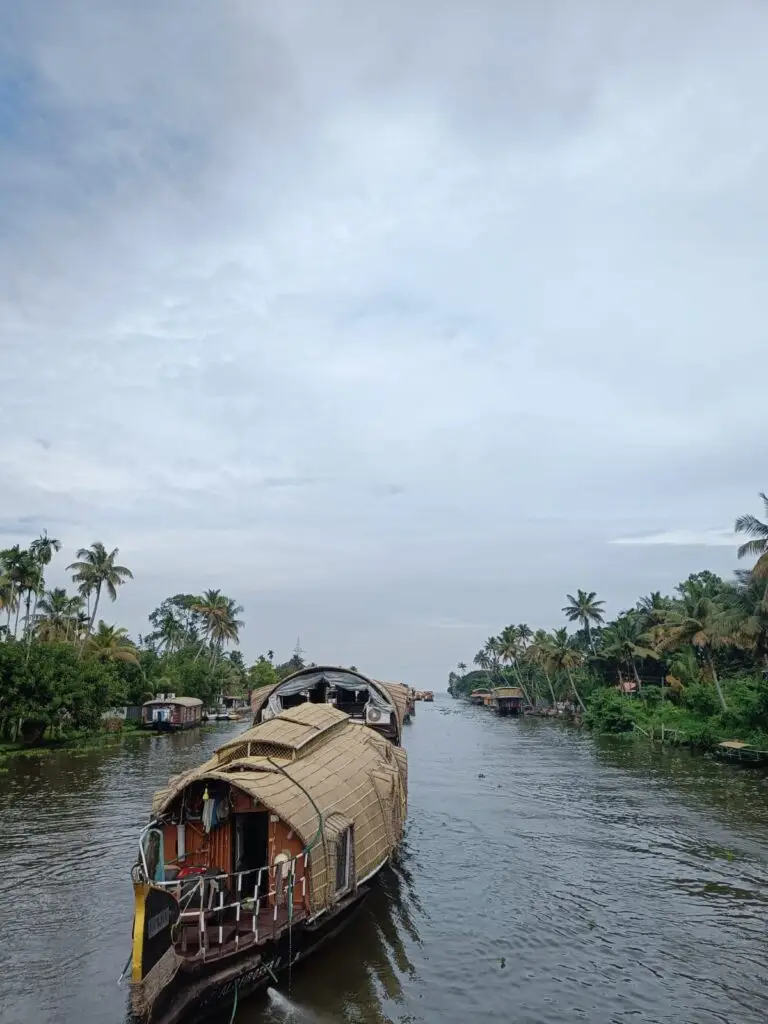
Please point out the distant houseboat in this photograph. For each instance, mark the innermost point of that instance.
(507, 700)
(382, 706)
(478, 696)
(167, 713)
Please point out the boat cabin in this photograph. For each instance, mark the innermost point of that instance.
(382, 706)
(167, 712)
(478, 696)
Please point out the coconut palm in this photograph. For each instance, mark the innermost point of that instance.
(540, 654)
(483, 661)
(509, 647)
(42, 550)
(757, 547)
(586, 609)
(221, 625)
(54, 610)
(24, 576)
(95, 569)
(462, 667)
(111, 643)
(7, 600)
(702, 623)
(624, 642)
(565, 657)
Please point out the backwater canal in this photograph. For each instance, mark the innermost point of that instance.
(545, 879)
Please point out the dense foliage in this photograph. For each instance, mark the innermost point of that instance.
(62, 668)
(693, 664)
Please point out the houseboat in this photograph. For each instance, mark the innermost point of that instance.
(257, 857)
(507, 700)
(167, 712)
(478, 696)
(380, 705)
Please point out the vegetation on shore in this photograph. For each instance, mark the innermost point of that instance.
(62, 668)
(691, 666)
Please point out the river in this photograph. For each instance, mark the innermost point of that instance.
(545, 879)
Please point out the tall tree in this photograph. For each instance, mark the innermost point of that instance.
(54, 614)
(111, 643)
(757, 547)
(541, 654)
(95, 569)
(565, 658)
(586, 609)
(702, 623)
(42, 550)
(624, 642)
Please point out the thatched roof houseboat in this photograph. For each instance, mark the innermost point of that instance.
(254, 858)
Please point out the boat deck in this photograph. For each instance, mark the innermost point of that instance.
(230, 935)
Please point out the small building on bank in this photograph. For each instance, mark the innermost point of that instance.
(167, 712)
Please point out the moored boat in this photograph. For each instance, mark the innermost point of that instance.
(478, 696)
(258, 856)
(382, 706)
(507, 700)
(737, 750)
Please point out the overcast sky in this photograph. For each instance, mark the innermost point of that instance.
(388, 319)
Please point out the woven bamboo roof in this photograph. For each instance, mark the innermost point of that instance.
(353, 775)
(507, 691)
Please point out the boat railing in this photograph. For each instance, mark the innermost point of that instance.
(214, 903)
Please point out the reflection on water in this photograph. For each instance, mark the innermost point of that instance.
(545, 878)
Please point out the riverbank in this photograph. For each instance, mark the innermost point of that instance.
(693, 720)
(82, 741)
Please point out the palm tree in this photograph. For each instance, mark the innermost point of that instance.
(42, 550)
(462, 667)
(509, 646)
(752, 527)
(702, 623)
(623, 643)
(24, 575)
(220, 622)
(54, 611)
(483, 661)
(525, 634)
(95, 569)
(565, 657)
(586, 609)
(111, 643)
(170, 633)
(540, 653)
(7, 600)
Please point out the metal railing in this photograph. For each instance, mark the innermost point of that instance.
(202, 898)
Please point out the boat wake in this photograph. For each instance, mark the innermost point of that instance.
(287, 1010)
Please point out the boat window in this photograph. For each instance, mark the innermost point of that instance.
(344, 860)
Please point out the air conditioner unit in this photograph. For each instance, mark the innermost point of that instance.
(377, 716)
(159, 696)
(170, 696)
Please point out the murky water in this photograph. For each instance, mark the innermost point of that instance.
(545, 880)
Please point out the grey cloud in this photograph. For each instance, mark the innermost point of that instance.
(264, 266)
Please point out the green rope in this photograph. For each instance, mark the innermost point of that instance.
(234, 1006)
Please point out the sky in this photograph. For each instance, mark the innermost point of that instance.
(395, 321)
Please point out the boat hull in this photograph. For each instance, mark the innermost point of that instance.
(197, 990)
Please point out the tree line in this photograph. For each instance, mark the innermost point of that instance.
(62, 667)
(695, 660)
